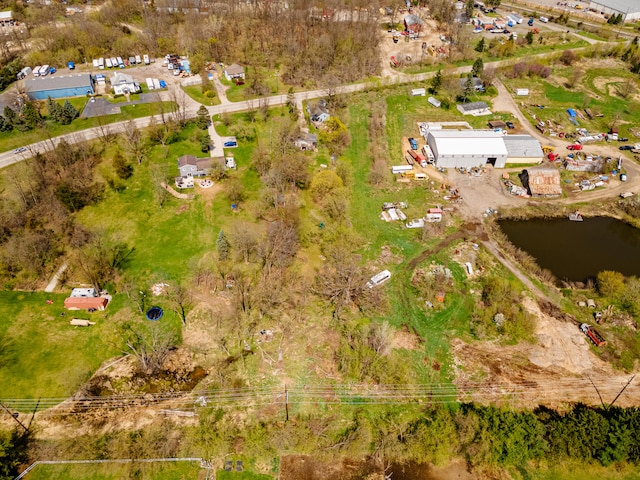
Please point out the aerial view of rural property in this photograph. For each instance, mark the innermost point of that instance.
(319, 239)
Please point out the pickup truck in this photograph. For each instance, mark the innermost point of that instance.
(575, 146)
(413, 143)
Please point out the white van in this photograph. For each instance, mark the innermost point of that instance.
(379, 279)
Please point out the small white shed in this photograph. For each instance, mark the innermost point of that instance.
(434, 101)
(522, 92)
(419, 92)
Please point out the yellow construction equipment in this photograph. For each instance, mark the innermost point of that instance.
(546, 149)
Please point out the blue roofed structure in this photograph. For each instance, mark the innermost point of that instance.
(59, 86)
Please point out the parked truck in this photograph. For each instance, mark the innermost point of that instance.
(593, 334)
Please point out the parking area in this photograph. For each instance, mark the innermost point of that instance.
(100, 106)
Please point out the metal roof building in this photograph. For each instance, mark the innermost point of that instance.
(467, 148)
(59, 86)
(542, 181)
(629, 9)
(523, 149)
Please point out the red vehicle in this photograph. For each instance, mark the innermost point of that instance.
(575, 146)
(553, 156)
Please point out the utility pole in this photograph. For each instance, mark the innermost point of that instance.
(286, 403)
(14, 416)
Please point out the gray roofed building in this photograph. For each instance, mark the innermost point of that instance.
(629, 9)
(59, 86)
(523, 149)
(413, 23)
(234, 71)
(477, 83)
(474, 108)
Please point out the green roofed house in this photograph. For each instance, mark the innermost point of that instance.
(59, 86)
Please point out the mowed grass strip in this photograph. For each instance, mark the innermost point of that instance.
(117, 471)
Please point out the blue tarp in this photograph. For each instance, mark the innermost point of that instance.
(571, 112)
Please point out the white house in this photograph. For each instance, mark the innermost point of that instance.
(123, 84)
(191, 166)
(233, 71)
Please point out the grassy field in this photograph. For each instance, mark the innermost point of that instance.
(41, 354)
(597, 89)
(116, 471)
(14, 139)
(581, 471)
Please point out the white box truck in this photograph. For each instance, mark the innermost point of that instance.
(146, 59)
(36, 71)
(150, 83)
(95, 63)
(401, 169)
(44, 70)
(156, 84)
(138, 59)
(109, 64)
(101, 63)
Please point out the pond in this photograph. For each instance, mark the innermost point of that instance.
(576, 251)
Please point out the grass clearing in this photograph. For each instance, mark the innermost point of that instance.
(116, 471)
(200, 94)
(42, 355)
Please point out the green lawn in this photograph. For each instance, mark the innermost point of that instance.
(196, 93)
(14, 139)
(41, 354)
(116, 471)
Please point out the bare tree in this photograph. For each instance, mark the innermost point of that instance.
(181, 301)
(133, 142)
(244, 239)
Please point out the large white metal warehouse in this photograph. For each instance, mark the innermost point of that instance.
(629, 9)
(467, 148)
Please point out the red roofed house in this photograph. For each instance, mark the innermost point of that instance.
(85, 303)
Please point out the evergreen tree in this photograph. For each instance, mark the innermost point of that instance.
(468, 88)
(205, 142)
(468, 8)
(529, 37)
(69, 113)
(436, 82)
(203, 118)
(291, 101)
(122, 168)
(5, 126)
(11, 117)
(31, 115)
(481, 45)
(478, 67)
(222, 245)
(55, 110)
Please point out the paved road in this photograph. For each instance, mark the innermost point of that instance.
(191, 107)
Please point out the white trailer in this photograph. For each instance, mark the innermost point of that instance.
(156, 84)
(138, 59)
(150, 83)
(109, 64)
(401, 169)
(418, 92)
(44, 70)
(146, 59)
(101, 63)
(95, 63)
(114, 62)
(36, 71)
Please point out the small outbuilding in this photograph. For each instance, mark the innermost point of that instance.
(494, 124)
(85, 303)
(474, 108)
(413, 24)
(59, 86)
(418, 92)
(434, 101)
(308, 141)
(542, 181)
(234, 71)
(522, 92)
